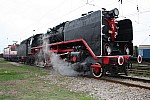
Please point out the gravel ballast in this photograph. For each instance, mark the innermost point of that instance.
(100, 89)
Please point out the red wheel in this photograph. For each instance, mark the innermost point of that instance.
(36, 63)
(97, 70)
(139, 59)
(120, 60)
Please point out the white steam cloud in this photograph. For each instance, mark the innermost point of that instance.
(60, 66)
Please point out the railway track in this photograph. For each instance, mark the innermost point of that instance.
(140, 69)
(128, 81)
(145, 80)
(122, 80)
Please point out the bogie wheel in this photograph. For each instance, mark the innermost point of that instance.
(97, 71)
(36, 63)
(40, 63)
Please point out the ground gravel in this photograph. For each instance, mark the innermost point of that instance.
(15, 64)
(100, 89)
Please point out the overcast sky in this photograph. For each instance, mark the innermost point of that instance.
(18, 18)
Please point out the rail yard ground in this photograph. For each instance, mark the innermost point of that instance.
(22, 82)
(142, 69)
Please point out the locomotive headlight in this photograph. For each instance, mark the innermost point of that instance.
(116, 12)
(108, 49)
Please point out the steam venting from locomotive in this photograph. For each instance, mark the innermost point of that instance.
(52, 59)
(61, 66)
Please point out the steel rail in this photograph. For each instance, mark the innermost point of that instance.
(126, 83)
(135, 79)
(120, 82)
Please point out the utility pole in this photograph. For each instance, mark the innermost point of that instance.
(15, 42)
(144, 40)
(87, 2)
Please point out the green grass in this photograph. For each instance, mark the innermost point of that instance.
(20, 72)
(49, 92)
(25, 83)
(38, 90)
(2, 60)
(140, 75)
(6, 97)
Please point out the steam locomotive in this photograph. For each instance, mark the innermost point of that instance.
(96, 42)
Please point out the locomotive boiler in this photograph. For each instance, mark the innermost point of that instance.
(97, 42)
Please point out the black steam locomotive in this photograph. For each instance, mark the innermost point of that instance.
(95, 42)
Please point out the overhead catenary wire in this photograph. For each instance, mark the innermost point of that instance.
(138, 15)
(40, 18)
(58, 18)
(145, 39)
(87, 3)
(54, 20)
(140, 8)
(49, 11)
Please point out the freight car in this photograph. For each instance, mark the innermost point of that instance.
(96, 42)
